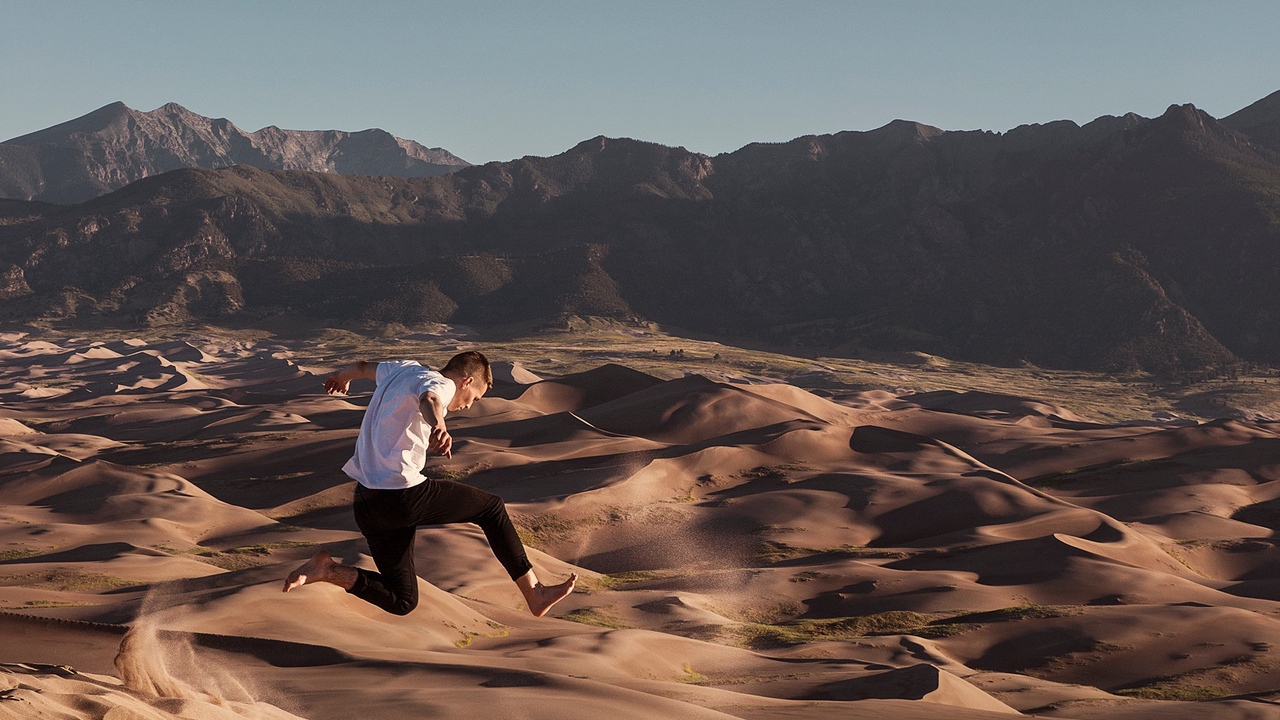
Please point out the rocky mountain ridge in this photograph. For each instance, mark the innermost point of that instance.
(116, 145)
(1124, 244)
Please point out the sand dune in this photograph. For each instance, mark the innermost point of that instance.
(747, 550)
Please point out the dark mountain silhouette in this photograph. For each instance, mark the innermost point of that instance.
(115, 145)
(1260, 121)
(1126, 243)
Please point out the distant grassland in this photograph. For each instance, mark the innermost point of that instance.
(585, 343)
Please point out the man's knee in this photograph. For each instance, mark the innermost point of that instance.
(404, 597)
(489, 512)
(403, 604)
(493, 505)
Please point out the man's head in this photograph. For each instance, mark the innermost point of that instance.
(470, 373)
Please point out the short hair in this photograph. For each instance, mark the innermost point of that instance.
(471, 363)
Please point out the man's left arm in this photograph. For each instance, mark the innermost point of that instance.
(340, 381)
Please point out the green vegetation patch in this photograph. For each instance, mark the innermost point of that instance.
(773, 551)
(256, 549)
(53, 382)
(1019, 612)
(894, 622)
(762, 636)
(66, 581)
(245, 556)
(692, 677)
(1181, 561)
(688, 497)
(614, 581)
(600, 617)
(266, 548)
(17, 554)
(764, 472)
(284, 527)
(1172, 690)
(499, 630)
(543, 529)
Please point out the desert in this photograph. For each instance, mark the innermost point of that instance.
(757, 535)
(845, 359)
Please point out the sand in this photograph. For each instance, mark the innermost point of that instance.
(747, 550)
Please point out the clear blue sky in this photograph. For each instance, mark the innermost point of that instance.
(498, 80)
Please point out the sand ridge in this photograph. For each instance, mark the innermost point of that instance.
(746, 550)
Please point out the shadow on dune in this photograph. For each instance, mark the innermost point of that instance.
(95, 552)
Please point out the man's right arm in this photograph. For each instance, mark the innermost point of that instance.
(433, 409)
(359, 370)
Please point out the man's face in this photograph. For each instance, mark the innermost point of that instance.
(469, 391)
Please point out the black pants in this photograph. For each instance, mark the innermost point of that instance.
(389, 519)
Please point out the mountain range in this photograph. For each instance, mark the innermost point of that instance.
(1127, 243)
(115, 145)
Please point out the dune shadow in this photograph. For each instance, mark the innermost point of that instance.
(1034, 649)
(278, 653)
(874, 440)
(96, 552)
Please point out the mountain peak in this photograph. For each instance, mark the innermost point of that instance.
(910, 128)
(106, 114)
(1188, 116)
(172, 108)
(115, 145)
(601, 144)
(95, 121)
(1183, 110)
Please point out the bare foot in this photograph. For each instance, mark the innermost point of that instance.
(541, 597)
(320, 568)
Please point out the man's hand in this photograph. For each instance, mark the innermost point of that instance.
(336, 383)
(341, 380)
(440, 441)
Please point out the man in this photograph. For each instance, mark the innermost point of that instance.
(403, 424)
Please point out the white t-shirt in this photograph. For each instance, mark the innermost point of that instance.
(392, 446)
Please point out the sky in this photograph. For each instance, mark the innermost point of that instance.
(500, 80)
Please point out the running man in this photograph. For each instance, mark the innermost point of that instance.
(403, 424)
